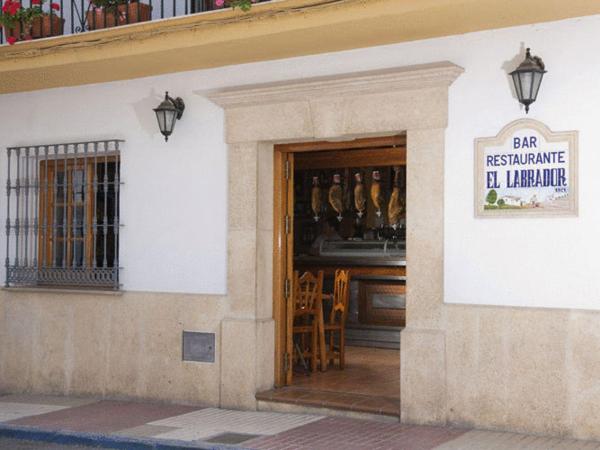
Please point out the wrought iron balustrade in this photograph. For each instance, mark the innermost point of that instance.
(78, 16)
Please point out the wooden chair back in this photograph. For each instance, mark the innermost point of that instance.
(307, 289)
(341, 295)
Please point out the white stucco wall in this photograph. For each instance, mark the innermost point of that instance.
(174, 201)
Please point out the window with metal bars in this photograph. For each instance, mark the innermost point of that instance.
(62, 222)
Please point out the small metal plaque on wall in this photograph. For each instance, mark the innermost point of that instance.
(198, 347)
(526, 170)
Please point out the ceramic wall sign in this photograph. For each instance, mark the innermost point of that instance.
(525, 171)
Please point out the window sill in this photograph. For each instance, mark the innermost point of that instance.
(50, 290)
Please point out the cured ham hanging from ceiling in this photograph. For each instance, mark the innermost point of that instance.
(336, 196)
(377, 193)
(360, 198)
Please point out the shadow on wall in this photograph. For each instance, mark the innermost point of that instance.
(512, 64)
(145, 114)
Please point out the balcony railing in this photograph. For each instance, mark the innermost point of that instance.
(60, 17)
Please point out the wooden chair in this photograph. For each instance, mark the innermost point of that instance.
(307, 317)
(337, 317)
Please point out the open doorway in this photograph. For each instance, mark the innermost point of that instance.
(340, 207)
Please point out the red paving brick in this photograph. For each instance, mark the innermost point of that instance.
(349, 434)
(103, 416)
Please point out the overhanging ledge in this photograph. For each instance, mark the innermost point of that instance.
(273, 30)
(424, 76)
(345, 106)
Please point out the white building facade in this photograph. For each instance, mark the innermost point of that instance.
(515, 329)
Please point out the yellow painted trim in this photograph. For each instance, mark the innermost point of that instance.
(281, 29)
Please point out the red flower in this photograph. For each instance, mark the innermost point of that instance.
(55, 6)
(11, 40)
(11, 7)
(36, 2)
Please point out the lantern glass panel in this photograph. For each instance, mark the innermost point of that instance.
(161, 116)
(171, 119)
(517, 83)
(166, 120)
(526, 84)
(537, 81)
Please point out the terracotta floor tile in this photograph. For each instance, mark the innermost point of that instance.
(369, 383)
(369, 371)
(281, 395)
(310, 397)
(46, 400)
(103, 417)
(349, 434)
(377, 405)
(335, 400)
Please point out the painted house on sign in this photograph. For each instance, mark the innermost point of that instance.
(511, 200)
(332, 153)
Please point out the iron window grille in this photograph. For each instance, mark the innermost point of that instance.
(62, 215)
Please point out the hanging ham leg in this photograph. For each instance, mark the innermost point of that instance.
(396, 204)
(360, 199)
(376, 193)
(336, 196)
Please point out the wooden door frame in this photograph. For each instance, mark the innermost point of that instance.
(280, 255)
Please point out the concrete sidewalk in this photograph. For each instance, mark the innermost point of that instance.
(121, 424)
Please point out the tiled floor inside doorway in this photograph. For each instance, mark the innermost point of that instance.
(370, 383)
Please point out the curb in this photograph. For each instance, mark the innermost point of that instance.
(103, 441)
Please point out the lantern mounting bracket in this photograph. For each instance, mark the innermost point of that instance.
(179, 105)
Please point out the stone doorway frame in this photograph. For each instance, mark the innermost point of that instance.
(410, 99)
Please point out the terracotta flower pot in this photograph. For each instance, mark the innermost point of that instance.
(41, 27)
(98, 18)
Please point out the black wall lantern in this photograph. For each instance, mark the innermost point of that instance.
(528, 78)
(167, 113)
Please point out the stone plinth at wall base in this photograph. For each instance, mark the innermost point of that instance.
(246, 360)
(107, 346)
(423, 376)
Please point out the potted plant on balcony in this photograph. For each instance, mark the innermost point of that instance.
(32, 22)
(114, 13)
(244, 5)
